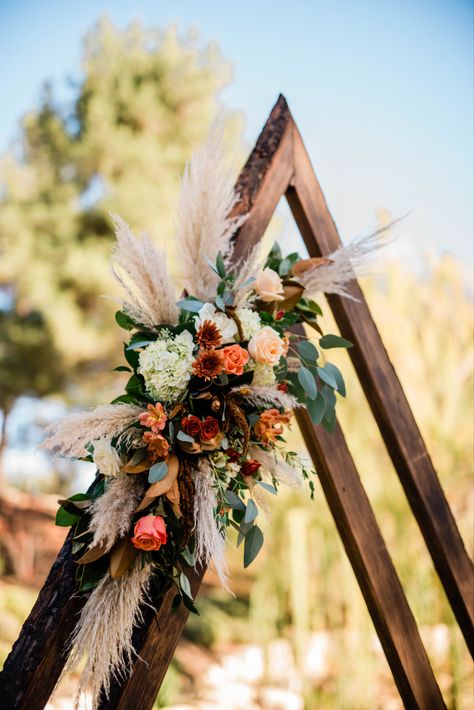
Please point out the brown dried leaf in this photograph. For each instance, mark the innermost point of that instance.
(122, 556)
(304, 264)
(161, 487)
(174, 498)
(92, 555)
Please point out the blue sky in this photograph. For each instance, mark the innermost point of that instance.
(381, 91)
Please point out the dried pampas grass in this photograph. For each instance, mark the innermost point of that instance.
(204, 227)
(69, 436)
(141, 270)
(103, 635)
(248, 268)
(210, 542)
(112, 513)
(274, 465)
(347, 263)
(267, 395)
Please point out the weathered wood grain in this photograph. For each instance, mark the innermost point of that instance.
(388, 402)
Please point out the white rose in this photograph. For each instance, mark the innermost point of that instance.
(266, 346)
(268, 285)
(106, 458)
(226, 325)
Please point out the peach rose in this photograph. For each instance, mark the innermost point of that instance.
(266, 347)
(235, 358)
(268, 286)
(150, 533)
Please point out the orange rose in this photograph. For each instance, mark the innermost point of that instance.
(150, 533)
(209, 428)
(155, 418)
(235, 358)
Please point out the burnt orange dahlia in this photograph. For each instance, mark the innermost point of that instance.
(208, 364)
(209, 335)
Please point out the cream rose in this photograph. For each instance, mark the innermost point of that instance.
(266, 346)
(106, 458)
(268, 286)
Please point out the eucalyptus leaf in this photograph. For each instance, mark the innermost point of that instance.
(190, 305)
(234, 500)
(317, 408)
(157, 472)
(253, 545)
(251, 513)
(182, 436)
(327, 377)
(334, 341)
(220, 265)
(268, 487)
(307, 382)
(307, 350)
(341, 386)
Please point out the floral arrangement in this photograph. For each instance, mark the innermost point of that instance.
(196, 443)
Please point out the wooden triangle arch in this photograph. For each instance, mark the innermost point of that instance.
(279, 165)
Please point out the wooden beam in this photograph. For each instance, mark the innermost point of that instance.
(387, 401)
(372, 565)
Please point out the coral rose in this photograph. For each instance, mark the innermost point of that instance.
(191, 425)
(266, 346)
(209, 428)
(150, 533)
(268, 286)
(155, 418)
(235, 358)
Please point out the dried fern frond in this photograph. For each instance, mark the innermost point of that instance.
(347, 263)
(210, 542)
(141, 270)
(69, 436)
(103, 634)
(112, 512)
(203, 225)
(267, 395)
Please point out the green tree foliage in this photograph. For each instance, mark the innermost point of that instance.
(145, 100)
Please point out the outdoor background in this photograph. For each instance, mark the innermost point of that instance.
(102, 104)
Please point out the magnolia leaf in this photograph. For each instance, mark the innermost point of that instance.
(307, 382)
(334, 341)
(253, 544)
(65, 519)
(251, 512)
(163, 486)
(122, 556)
(185, 586)
(174, 498)
(92, 555)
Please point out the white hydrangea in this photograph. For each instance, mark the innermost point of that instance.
(263, 375)
(226, 325)
(250, 321)
(166, 366)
